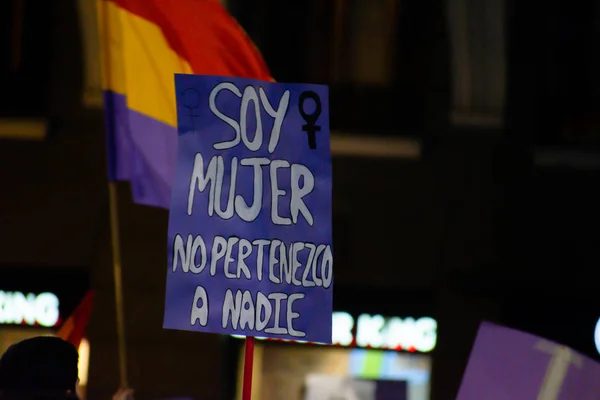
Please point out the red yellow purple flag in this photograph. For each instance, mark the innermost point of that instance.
(73, 329)
(144, 43)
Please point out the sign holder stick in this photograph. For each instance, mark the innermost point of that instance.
(248, 362)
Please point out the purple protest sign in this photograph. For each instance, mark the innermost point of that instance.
(250, 248)
(506, 364)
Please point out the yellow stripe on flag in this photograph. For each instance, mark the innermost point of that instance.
(111, 47)
(141, 64)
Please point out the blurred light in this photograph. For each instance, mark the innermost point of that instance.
(23, 129)
(30, 309)
(342, 324)
(84, 361)
(369, 146)
(378, 332)
(552, 157)
(597, 336)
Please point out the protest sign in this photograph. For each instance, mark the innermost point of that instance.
(250, 248)
(506, 364)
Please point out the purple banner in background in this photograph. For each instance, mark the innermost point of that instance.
(250, 247)
(506, 364)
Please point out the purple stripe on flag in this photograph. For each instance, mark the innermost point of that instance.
(154, 167)
(142, 150)
(118, 140)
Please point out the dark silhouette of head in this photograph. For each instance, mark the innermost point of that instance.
(43, 367)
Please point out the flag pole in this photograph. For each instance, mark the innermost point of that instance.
(103, 25)
(118, 280)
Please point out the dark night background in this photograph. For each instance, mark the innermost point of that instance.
(493, 220)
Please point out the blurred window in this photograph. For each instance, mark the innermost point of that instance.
(375, 55)
(477, 35)
(554, 64)
(25, 31)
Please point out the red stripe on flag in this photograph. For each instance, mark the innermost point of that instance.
(203, 33)
(73, 330)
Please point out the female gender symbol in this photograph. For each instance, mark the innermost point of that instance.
(311, 119)
(190, 99)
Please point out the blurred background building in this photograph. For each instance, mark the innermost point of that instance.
(465, 144)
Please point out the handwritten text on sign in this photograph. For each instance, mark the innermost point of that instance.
(250, 224)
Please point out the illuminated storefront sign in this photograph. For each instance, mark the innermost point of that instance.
(32, 309)
(597, 336)
(378, 332)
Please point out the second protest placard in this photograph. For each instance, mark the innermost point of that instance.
(250, 244)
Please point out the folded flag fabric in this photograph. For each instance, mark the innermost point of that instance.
(73, 329)
(144, 43)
